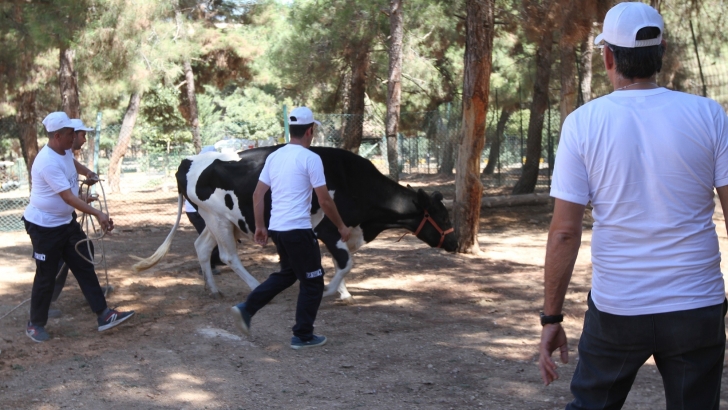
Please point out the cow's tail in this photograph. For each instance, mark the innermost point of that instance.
(147, 263)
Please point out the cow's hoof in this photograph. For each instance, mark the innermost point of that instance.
(217, 295)
(349, 300)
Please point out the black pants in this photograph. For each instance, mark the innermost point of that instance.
(688, 347)
(51, 245)
(63, 274)
(300, 260)
(63, 270)
(199, 223)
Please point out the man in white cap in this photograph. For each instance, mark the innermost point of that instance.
(79, 140)
(54, 232)
(199, 223)
(648, 160)
(292, 173)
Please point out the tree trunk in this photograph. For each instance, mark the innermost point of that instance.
(69, 84)
(394, 86)
(68, 81)
(28, 127)
(496, 143)
(585, 65)
(448, 152)
(191, 97)
(527, 182)
(127, 126)
(192, 100)
(567, 95)
(355, 123)
(476, 86)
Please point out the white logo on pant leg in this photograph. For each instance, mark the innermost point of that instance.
(39, 256)
(314, 274)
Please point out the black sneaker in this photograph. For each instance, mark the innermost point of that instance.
(36, 333)
(241, 318)
(297, 343)
(113, 318)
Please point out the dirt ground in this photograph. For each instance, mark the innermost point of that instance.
(428, 329)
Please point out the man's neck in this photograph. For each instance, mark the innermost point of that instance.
(620, 83)
(300, 141)
(58, 150)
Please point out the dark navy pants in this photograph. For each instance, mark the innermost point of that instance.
(300, 260)
(199, 223)
(51, 245)
(688, 347)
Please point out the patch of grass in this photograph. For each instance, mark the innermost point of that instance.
(17, 367)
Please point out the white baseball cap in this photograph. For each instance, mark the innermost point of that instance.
(624, 20)
(57, 120)
(301, 116)
(78, 125)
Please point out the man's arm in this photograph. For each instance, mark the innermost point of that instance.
(723, 195)
(261, 233)
(106, 223)
(329, 208)
(561, 250)
(91, 176)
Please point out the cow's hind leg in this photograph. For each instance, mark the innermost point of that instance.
(204, 244)
(228, 253)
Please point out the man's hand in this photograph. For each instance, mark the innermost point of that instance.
(552, 337)
(345, 233)
(91, 178)
(88, 198)
(107, 224)
(261, 236)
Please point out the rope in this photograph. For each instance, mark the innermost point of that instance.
(86, 222)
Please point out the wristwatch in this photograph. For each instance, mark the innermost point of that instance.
(546, 320)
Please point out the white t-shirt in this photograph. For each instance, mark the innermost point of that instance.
(51, 174)
(292, 172)
(648, 161)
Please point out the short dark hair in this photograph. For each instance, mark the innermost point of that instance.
(297, 130)
(639, 62)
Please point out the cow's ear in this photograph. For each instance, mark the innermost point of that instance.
(410, 187)
(437, 196)
(423, 199)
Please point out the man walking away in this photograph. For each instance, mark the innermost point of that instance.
(648, 160)
(292, 173)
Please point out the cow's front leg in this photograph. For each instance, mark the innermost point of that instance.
(342, 257)
(204, 244)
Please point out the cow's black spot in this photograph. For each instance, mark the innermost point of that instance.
(229, 201)
(241, 224)
(181, 176)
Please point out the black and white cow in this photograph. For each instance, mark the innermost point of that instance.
(221, 187)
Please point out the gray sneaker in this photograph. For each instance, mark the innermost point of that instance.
(316, 341)
(36, 333)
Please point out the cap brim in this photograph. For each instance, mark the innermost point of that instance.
(599, 39)
(316, 122)
(83, 129)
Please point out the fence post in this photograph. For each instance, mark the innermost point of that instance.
(97, 142)
(285, 124)
(520, 120)
(550, 145)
